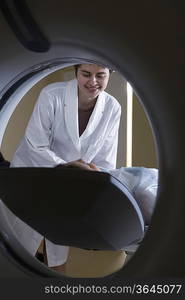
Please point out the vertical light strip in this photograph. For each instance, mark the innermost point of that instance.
(129, 125)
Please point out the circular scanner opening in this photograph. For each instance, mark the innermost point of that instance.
(24, 85)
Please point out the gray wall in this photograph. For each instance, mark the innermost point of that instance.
(144, 151)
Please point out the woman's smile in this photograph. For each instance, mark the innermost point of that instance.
(93, 89)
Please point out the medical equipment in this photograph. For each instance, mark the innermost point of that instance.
(77, 208)
(143, 42)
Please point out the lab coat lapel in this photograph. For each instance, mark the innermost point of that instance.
(71, 112)
(95, 116)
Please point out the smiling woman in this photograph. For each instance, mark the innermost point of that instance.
(92, 79)
(71, 120)
(86, 115)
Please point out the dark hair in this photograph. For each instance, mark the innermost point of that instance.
(77, 66)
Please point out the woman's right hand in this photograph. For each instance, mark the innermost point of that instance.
(82, 165)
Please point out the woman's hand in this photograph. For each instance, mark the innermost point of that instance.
(81, 165)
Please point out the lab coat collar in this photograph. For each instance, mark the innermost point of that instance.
(71, 114)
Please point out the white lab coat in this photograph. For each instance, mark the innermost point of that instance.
(52, 135)
(52, 138)
(141, 182)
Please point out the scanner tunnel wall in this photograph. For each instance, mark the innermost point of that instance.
(154, 65)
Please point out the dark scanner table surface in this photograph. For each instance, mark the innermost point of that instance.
(78, 208)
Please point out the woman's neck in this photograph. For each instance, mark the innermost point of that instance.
(85, 103)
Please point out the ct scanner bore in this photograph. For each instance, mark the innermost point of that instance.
(146, 45)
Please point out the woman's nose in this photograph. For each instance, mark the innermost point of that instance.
(93, 79)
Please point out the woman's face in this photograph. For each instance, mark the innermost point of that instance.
(92, 80)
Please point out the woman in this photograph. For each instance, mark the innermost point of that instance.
(72, 121)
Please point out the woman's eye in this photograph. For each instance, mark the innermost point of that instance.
(85, 75)
(97, 76)
(101, 76)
